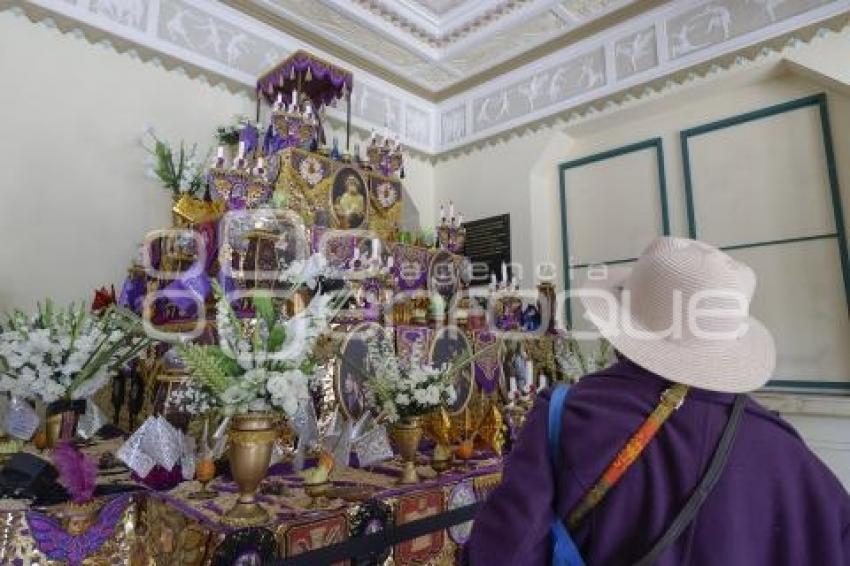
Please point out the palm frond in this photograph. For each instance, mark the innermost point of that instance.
(207, 365)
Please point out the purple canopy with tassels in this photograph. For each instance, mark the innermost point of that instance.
(319, 80)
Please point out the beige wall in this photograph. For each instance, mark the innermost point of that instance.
(75, 197)
(520, 176)
(75, 200)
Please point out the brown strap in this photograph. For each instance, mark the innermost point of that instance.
(671, 399)
(704, 487)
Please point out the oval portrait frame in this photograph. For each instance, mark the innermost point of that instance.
(361, 330)
(437, 259)
(335, 191)
(470, 370)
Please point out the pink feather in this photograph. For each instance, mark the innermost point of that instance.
(77, 472)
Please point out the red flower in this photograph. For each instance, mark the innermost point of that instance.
(103, 299)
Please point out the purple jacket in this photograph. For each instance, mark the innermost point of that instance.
(774, 504)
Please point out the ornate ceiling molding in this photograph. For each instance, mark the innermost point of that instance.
(434, 30)
(658, 44)
(634, 57)
(209, 39)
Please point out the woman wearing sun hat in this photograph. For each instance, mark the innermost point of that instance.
(662, 458)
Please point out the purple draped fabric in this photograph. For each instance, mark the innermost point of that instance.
(133, 291)
(250, 136)
(189, 291)
(160, 479)
(775, 503)
(273, 142)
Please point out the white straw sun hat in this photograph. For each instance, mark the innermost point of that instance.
(683, 313)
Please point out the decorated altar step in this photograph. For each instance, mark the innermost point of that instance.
(170, 528)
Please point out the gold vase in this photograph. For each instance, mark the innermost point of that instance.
(406, 435)
(252, 436)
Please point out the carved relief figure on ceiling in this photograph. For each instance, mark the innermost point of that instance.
(590, 76)
(769, 7)
(639, 47)
(127, 12)
(176, 28)
(533, 88)
(557, 84)
(236, 47)
(213, 37)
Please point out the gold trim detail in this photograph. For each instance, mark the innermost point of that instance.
(253, 436)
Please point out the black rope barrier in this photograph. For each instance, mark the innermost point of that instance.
(374, 543)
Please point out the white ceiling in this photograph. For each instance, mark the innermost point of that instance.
(436, 44)
(224, 40)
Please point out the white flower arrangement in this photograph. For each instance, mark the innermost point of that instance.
(575, 364)
(309, 270)
(261, 363)
(403, 389)
(66, 353)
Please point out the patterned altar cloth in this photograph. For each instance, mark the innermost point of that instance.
(169, 528)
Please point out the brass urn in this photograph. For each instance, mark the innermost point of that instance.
(406, 435)
(252, 437)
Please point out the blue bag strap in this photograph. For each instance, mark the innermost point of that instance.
(556, 414)
(564, 550)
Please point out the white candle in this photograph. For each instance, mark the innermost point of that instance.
(513, 386)
(442, 214)
(356, 253)
(529, 372)
(375, 247)
(390, 262)
(543, 382)
(261, 163)
(279, 99)
(220, 153)
(451, 209)
(504, 273)
(241, 149)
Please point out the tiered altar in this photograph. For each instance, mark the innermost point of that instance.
(275, 202)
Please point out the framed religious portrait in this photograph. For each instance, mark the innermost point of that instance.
(349, 199)
(461, 495)
(352, 370)
(416, 506)
(517, 367)
(450, 345)
(317, 534)
(253, 546)
(443, 274)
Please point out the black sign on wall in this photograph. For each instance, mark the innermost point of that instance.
(488, 244)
